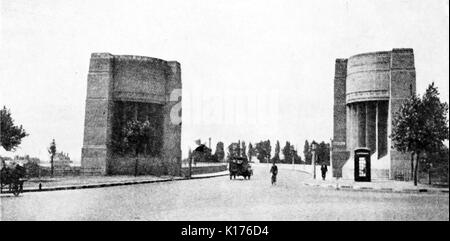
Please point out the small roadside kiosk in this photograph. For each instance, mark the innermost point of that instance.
(362, 165)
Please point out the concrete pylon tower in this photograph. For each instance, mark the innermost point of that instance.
(125, 88)
(369, 89)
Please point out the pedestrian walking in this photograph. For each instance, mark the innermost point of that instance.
(324, 170)
(274, 171)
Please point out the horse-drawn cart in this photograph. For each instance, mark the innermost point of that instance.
(12, 179)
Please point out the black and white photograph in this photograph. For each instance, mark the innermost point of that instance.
(214, 110)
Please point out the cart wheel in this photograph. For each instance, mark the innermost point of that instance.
(231, 177)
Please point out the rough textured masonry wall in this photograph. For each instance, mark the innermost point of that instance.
(98, 114)
(137, 79)
(340, 123)
(403, 85)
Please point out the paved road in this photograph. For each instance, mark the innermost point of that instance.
(221, 199)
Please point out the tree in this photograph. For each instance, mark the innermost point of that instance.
(220, 153)
(250, 151)
(297, 158)
(307, 152)
(244, 150)
(405, 124)
(52, 152)
(323, 153)
(239, 148)
(10, 135)
(233, 150)
(287, 152)
(32, 168)
(420, 126)
(263, 150)
(134, 136)
(276, 156)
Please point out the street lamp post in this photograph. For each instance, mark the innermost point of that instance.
(293, 162)
(313, 147)
(331, 158)
(190, 166)
(293, 159)
(52, 152)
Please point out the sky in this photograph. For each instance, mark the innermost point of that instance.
(251, 70)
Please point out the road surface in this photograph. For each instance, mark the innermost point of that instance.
(223, 199)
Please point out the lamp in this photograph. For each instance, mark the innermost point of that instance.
(313, 148)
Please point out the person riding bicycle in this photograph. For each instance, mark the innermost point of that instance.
(274, 171)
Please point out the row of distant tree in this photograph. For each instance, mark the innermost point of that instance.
(262, 151)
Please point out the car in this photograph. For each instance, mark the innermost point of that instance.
(239, 166)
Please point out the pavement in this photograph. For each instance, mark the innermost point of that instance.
(374, 185)
(82, 182)
(383, 185)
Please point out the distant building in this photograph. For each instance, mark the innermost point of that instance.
(202, 154)
(22, 160)
(61, 160)
(369, 89)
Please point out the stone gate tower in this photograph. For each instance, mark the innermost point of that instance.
(122, 88)
(369, 89)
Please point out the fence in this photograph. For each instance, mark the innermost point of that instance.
(202, 164)
(298, 167)
(46, 171)
(203, 167)
(434, 176)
